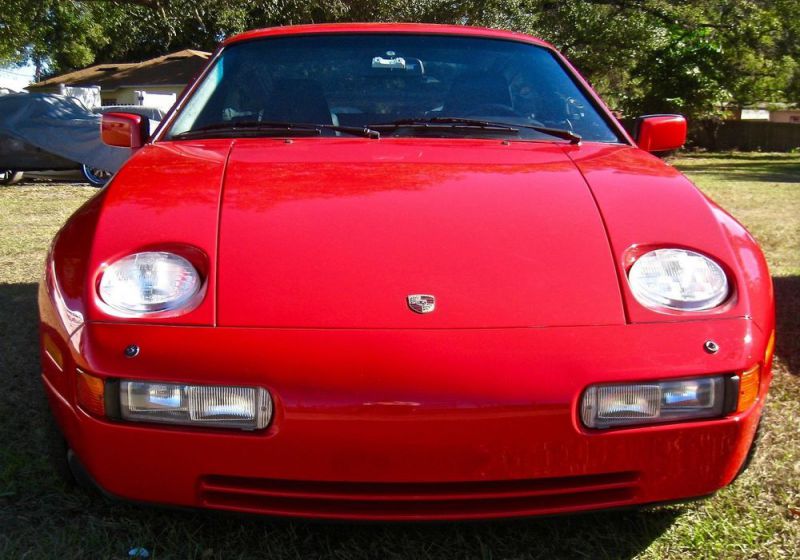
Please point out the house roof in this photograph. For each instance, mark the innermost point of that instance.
(773, 106)
(176, 68)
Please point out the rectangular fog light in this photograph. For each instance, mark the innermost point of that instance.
(611, 405)
(219, 406)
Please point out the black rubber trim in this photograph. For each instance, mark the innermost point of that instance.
(87, 482)
(82, 476)
(111, 399)
(731, 394)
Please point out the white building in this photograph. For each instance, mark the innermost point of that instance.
(154, 83)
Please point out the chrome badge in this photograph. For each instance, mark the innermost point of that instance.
(421, 303)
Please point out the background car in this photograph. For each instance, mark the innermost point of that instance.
(48, 132)
(154, 114)
(9, 176)
(99, 177)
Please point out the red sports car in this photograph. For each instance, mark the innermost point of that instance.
(402, 272)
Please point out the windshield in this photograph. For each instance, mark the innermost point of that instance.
(398, 84)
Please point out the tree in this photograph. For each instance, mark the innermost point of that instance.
(59, 34)
(695, 57)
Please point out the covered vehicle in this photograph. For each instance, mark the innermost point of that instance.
(403, 272)
(99, 176)
(154, 114)
(10, 177)
(41, 131)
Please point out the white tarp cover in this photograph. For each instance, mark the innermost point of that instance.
(163, 101)
(89, 95)
(59, 125)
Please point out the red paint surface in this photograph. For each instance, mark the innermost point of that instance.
(410, 28)
(125, 130)
(337, 233)
(661, 133)
(308, 250)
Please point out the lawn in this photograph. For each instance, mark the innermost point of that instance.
(757, 517)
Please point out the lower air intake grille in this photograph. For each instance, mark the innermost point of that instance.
(449, 500)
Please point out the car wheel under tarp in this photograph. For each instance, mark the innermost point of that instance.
(10, 177)
(96, 177)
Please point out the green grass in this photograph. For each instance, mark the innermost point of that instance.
(757, 517)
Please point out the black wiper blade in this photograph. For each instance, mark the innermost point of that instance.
(562, 133)
(364, 131)
(233, 131)
(233, 128)
(557, 132)
(488, 125)
(445, 121)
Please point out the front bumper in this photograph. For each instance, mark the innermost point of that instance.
(402, 424)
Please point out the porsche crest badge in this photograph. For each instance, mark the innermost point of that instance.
(421, 303)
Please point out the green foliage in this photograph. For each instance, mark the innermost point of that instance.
(696, 57)
(687, 74)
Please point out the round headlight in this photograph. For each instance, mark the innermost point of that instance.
(678, 279)
(149, 282)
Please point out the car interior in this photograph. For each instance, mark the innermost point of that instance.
(358, 82)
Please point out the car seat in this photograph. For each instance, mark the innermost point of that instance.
(298, 101)
(475, 89)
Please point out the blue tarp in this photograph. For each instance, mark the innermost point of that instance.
(59, 125)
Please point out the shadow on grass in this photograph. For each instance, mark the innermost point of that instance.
(787, 321)
(40, 517)
(739, 156)
(761, 169)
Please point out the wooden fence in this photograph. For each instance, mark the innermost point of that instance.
(746, 136)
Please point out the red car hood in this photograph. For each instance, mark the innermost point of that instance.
(337, 233)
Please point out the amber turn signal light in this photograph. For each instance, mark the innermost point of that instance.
(91, 394)
(748, 388)
(770, 348)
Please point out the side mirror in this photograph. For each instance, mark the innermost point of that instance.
(660, 133)
(125, 130)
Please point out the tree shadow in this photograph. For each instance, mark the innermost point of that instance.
(774, 169)
(19, 350)
(739, 156)
(618, 535)
(29, 490)
(787, 321)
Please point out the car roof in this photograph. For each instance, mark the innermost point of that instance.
(410, 28)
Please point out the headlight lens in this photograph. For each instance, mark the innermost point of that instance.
(245, 408)
(678, 279)
(606, 406)
(149, 282)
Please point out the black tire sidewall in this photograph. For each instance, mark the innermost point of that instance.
(93, 181)
(12, 178)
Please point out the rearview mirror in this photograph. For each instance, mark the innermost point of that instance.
(125, 130)
(660, 133)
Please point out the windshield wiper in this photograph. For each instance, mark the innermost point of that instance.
(493, 126)
(448, 122)
(271, 127)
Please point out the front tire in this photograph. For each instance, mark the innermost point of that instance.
(750, 453)
(96, 177)
(57, 453)
(10, 177)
